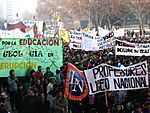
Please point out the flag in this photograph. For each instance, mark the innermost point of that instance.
(17, 25)
(76, 87)
(65, 35)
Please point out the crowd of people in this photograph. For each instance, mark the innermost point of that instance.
(44, 92)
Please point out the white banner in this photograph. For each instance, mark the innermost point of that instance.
(103, 32)
(16, 33)
(108, 78)
(89, 43)
(119, 32)
(129, 51)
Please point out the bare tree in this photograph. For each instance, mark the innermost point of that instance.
(140, 9)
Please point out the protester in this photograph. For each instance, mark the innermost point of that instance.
(12, 88)
(32, 77)
(50, 90)
(60, 103)
(48, 74)
(27, 84)
(119, 108)
(58, 77)
(43, 104)
(39, 87)
(137, 108)
(38, 73)
(19, 97)
(30, 102)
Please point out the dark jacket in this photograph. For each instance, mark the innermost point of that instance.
(19, 100)
(43, 107)
(29, 104)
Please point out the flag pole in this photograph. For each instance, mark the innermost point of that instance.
(106, 99)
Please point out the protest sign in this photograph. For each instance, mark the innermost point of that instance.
(75, 36)
(105, 44)
(76, 87)
(129, 51)
(65, 35)
(24, 54)
(119, 32)
(103, 32)
(108, 78)
(89, 43)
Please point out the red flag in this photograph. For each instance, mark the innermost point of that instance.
(17, 25)
(76, 87)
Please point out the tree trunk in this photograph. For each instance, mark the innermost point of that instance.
(109, 23)
(96, 20)
(89, 14)
(141, 26)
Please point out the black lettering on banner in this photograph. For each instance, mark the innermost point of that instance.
(98, 71)
(131, 71)
(125, 50)
(36, 54)
(12, 54)
(133, 82)
(50, 54)
(143, 66)
(109, 69)
(101, 85)
(119, 72)
(92, 88)
(119, 49)
(136, 51)
(102, 71)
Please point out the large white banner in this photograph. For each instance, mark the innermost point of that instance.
(108, 78)
(129, 51)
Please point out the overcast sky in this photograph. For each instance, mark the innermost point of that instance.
(24, 5)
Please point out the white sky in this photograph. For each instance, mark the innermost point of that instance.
(24, 5)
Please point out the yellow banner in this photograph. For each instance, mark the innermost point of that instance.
(65, 35)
